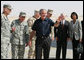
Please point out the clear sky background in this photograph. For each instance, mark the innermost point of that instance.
(66, 7)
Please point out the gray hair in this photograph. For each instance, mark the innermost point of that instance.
(41, 10)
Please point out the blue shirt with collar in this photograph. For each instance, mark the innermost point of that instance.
(42, 28)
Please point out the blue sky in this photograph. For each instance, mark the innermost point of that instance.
(59, 7)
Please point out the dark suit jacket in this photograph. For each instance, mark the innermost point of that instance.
(62, 32)
(82, 29)
(82, 25)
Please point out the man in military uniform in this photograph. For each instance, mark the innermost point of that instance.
(49, 15)
(20, 36)
(5, 31)
(31, 52)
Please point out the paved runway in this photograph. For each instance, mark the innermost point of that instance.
(52, 51)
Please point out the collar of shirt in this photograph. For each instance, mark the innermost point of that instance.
(44, 19)
(21, 23)
(34, 17)
(5, 16)
(63, 21)
(75, 22)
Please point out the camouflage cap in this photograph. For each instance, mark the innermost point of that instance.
(7, 6)
(22, 14)
(36, 11)
(50, 11)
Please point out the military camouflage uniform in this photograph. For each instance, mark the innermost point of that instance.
(52, 28)
(31, 52)
(5, 37)
(52, 32)
(19, 39)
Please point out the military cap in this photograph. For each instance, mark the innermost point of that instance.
(36, 11)
(7, 6)
(50, 11)
(22, 14)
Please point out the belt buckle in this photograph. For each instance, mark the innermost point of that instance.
(42, 36)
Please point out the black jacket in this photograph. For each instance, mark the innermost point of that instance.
(62, 32)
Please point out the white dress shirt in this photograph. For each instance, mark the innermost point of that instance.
(63, 22)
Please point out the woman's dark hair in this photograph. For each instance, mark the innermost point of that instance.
(74, 13)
